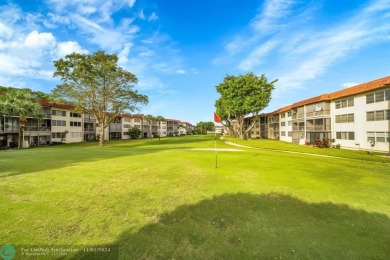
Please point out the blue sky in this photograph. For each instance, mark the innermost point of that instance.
(180, 50)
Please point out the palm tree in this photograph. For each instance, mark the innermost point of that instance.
(23, 103)
(150, 119)
(159, 119)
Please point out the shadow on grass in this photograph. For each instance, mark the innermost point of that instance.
(18, 162)
(267, 226)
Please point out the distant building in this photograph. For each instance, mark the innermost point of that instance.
(62, 124)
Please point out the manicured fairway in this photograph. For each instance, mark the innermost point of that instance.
(163, 199)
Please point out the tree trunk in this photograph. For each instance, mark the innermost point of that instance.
(102, 136)
(22, 125)
(159, 127)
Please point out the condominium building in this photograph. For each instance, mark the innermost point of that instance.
(356, 117)
(62, 124)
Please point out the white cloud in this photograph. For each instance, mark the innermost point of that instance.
(257, 55)
(273, 11)
(5, 31)
(124, 53)
(349, 84)
(131, 3)
(153, 17)
(141, 15)
(181, 72)
(65, 48)
(307, 52)
(106, 38)
(39, 40)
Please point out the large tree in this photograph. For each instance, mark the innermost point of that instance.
(241, 96)
(23, 103)
(95, 84)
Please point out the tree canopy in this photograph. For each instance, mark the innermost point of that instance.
(23, 103)
(204, 127)
(95, 84)
(241, 96)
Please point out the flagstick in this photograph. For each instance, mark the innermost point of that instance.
(216, 155)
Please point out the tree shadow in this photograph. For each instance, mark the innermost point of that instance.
(266, 226)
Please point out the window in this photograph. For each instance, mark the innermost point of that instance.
(283, 133)
(282, 115)
(58, 112)
(75, 135)
(344, 103)
(371, 136)
(126, 119)
(56, 135)
(387, 94)
(379, 96)
(289, 133)
(137, 120)
(380, 137)
(346, 118)
(370, 116)
(75, 124)
(125, 133)
(73, 114)
(58, 123)
(370, 98)
(289, 113)
(126, 126)
(345, 135)
(379, 115)
(351, 118)
(283, 123)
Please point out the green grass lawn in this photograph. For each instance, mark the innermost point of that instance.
(160, 199)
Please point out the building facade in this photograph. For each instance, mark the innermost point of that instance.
(356, 118)
(62, 124)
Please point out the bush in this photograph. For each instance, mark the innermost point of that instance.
(324, 142)
(134, 132)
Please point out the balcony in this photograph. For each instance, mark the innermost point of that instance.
(318, 113)
(318, 128)
(295, 116)
(37, 129)
(89, 120)
(11, 130)
(89, 129)
(298, 128)
(115, 127)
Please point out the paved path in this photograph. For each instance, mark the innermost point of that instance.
(284, 151)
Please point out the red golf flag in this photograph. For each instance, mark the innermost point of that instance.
(217, 118)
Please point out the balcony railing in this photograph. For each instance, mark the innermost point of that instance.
(89, 120)
(11, 129)
(37, 129)
(318, 128)
(295, 116)
(318, 113)
(298, 128)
